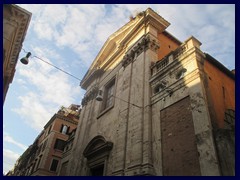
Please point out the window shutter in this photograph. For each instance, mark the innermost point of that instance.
(61, 128)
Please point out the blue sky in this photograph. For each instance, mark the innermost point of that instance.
(70, 36)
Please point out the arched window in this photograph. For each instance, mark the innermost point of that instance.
(64, 129)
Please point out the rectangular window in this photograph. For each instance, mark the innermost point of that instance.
(63, 171)
(39, 160)
(108, 95)
(59, 144)
(54, 165)
(33, 167)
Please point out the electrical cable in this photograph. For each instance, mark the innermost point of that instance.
(72, 75)
(54, 66)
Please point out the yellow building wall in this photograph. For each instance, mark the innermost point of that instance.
(166, 45)
(222, 92)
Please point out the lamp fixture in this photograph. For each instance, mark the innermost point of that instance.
(100, 95)
(25, 60)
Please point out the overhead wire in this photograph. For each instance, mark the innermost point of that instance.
(34, 56)
(54, 66)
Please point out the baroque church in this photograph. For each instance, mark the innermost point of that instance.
(154, 106)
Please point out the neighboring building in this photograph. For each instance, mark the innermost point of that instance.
(164, 107)
(15, 24)
(66, 154)
(43, 157)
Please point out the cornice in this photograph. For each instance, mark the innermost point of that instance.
(125, 34)
(145, 43)
(55, 116)
(20, 19)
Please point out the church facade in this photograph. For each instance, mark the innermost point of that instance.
(154, 106)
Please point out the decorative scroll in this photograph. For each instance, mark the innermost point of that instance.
(90, 96)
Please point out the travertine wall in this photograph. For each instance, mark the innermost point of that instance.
(189, 85)
(126, 124)
(135, 124)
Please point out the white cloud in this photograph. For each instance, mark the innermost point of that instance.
(20, 81)
(49, 89)
(34, 113)
(84, 28)
(9, 139)
(9, 159)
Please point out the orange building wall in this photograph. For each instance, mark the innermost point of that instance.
(219, 100)
(58, 124)
(56, 127)
(166, 45)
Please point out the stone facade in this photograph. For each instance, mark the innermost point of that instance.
(154, 109)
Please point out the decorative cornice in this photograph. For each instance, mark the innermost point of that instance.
(20, 19)
(60, 117)
(90, 76)
(92, 94)
(145, 43)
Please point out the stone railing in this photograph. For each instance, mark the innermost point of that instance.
(164, 62)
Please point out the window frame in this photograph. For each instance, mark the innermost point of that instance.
(50, 168)
(55, 144)
(110, 86)
(103, 107)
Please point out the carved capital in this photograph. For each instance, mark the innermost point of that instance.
(145, 43)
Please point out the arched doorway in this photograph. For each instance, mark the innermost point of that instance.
(97, 152)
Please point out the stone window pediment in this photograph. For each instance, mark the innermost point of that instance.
(97, 146)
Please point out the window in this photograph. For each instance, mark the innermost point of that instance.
(33, 167)
(64, 129)
(63, 171)
(54, 165)
(59, 144)
(44, 145)
(108, 95)
(40, 157)
(66, 148)
(39, 150)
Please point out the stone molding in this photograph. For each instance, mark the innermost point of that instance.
(97, 146)
(145, 43)
(20, 20)
(92, 94)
